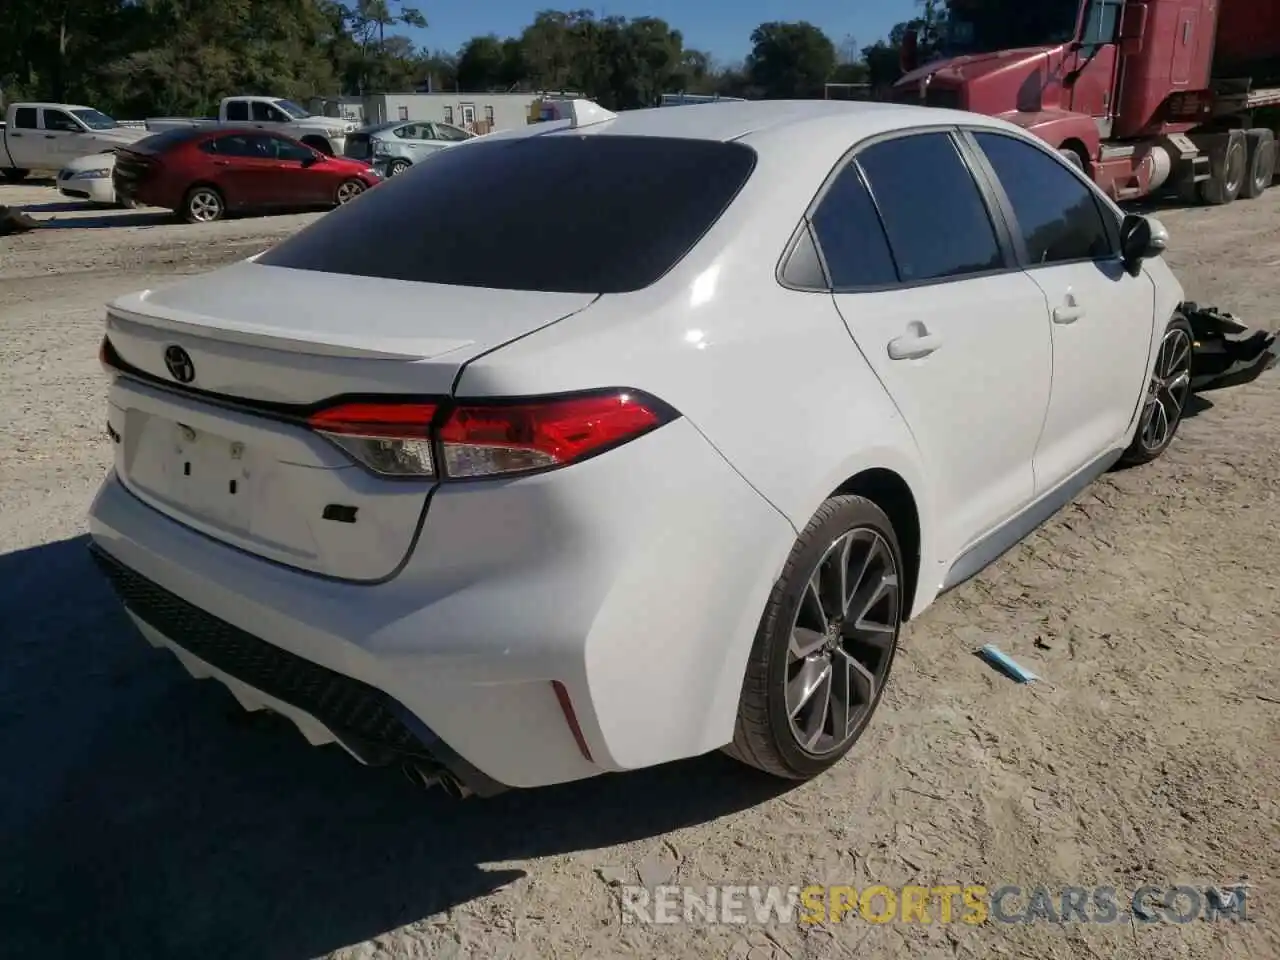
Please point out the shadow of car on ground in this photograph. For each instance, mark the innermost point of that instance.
(149, 814)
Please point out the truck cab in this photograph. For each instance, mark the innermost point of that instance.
(1134, 92)
(47, 136)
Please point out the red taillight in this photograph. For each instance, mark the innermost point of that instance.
(393, 439)
(486, 439)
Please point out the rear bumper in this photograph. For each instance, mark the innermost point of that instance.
(635, 581)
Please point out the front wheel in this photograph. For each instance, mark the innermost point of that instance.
(1166, 396)
(348, 190)
(14, 175)
(825, 645)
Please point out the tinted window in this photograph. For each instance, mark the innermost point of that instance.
(288, 150)
(243, 145)
(851, 235)
(57, 120)
(937, 222)
(266, 113)
(25, 118)
(1058, 215)
(160, 142)
(446, 132)
(577, 214)
(238, 110)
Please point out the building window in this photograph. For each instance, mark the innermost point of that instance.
(404, 113)
(448, 114)
(488, 114)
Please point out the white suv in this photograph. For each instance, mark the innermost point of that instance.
(650, 454)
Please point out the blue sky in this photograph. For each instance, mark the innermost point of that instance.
(721, 28)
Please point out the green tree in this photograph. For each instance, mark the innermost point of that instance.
(790, 60)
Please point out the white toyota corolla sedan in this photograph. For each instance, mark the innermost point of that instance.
(650, 454)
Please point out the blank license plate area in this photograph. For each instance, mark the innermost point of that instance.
(196, 473)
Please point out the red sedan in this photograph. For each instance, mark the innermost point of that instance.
(202, 175)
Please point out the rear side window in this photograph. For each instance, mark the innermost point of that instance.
(1058, 215)
(852, 238)
(160, 142)
(24, 118)
(933, 212)
(572, 214)
(238, 111)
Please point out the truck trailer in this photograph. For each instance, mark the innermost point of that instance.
(1146, 96)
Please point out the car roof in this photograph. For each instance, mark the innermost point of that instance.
(817, 131)
(54, 106)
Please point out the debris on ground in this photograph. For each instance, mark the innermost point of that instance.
(1005, 664)
(13, 220)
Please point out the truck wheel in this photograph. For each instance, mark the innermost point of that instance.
(1166, 395)
(1229, 165)
(14, 175)
(1071, 157)
(1262, 162)
(825, 644)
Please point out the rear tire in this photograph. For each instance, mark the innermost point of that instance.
(1230, 166)
(13, 174)
(1262, 163)
(397, 167)
(825, 644)
(1166, 396)
(203, 204)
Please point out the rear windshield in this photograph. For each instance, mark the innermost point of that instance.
(160, 142)
(560, 213)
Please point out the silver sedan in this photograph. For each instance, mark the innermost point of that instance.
(392, 148)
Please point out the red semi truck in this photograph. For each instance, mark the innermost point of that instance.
(1148, 96)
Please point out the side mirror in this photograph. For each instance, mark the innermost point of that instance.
(1141, 238)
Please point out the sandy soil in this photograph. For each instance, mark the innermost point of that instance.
(143, 814)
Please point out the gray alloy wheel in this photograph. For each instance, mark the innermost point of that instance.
(397, 167)
(1166, 396)
(841, 639)
(348, 190)
(825, 645)
(203, 205)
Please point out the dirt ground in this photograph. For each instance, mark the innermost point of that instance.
(143, 814)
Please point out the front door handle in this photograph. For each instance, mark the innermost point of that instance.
(50, 136)
(1070, 311)
(917, 342)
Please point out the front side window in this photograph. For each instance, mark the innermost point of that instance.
(288, 150)
(1057, 214)
(851, 236)
(266, 113)
(933, 212)
(445, 132)
(61, 122)
(415, 131)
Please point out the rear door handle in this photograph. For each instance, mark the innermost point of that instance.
(50, 136)
(914, 345)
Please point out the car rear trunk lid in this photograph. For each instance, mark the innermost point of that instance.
(217, 439)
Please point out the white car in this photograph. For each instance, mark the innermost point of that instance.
(650, 454)
(89, 178)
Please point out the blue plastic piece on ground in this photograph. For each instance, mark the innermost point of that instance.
(1006, 665)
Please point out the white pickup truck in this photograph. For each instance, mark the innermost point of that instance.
(47, 136)
(326, 134)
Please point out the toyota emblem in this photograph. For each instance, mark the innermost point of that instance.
(178, 362)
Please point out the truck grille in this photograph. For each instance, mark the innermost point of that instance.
(353, 710)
